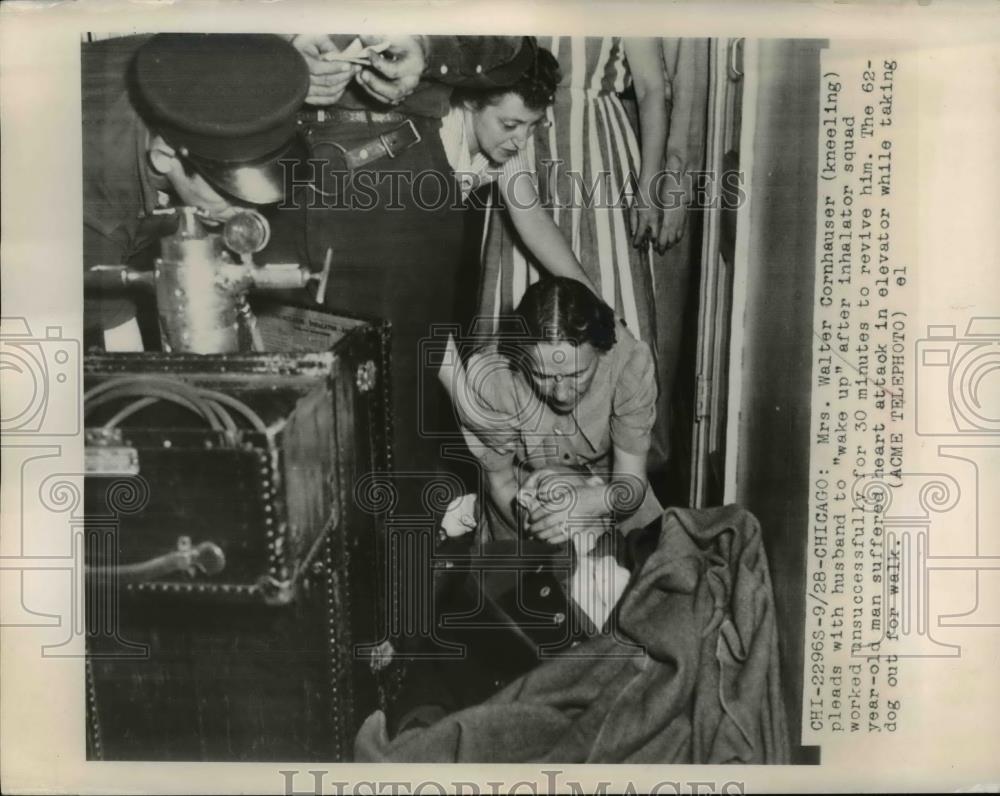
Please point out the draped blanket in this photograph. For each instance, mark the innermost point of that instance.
(685, 672)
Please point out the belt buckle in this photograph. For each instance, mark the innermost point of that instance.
(385, 141)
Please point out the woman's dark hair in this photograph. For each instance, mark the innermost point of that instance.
(558, 309)
(536, 86)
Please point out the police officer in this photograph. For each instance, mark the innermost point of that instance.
(194, 119)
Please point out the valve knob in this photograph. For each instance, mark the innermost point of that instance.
(247, 232)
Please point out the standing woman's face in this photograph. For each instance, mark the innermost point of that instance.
(503, 129)
(561, 373)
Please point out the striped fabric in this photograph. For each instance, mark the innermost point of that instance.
(586, 159)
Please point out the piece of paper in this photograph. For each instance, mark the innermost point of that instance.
(356, 52)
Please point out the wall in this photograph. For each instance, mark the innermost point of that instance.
(772, 444)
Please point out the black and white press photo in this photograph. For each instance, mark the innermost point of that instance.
(481, 518)
(474, 392)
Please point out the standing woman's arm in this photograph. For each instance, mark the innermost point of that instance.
(538, 231)
(646, 65)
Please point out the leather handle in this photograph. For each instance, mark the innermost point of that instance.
(206, 558)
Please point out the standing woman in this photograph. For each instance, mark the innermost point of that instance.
(587, 159)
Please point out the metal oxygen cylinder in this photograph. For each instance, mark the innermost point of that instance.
(197, 309)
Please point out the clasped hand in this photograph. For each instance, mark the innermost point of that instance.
(559, 504)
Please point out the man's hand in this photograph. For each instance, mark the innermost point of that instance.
(395, 72)
(562, 504)
(327, 79)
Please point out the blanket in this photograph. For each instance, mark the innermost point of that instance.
(686, 670)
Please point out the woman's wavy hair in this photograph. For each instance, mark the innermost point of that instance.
(557, 309)
(536, 86)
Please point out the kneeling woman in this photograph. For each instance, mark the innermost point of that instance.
(559, 415)
(571, 392)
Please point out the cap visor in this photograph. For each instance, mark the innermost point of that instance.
(259, 182)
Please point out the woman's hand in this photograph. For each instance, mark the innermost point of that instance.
(671, 227)
(327, 79)
(644, 217)
(644, 224)
(674, 199)
(645, 61)
(562, 504)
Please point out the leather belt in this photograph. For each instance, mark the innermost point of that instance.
(357, 116)
(387, 144)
